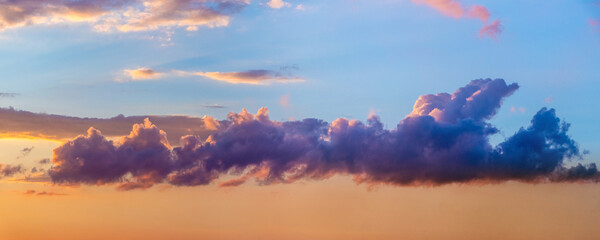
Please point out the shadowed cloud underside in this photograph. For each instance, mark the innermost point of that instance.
(444, 140)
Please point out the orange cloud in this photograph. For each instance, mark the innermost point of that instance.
(257, 77)
(31, 192)
(142, 74)
(277, 4)
(24, 124)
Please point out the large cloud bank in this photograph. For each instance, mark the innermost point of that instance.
(444, 140)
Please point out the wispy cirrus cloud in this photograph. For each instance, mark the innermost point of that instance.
(121, 15)
(445, 139)
(254, 77)
(455, 9)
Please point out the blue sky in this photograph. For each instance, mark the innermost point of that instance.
(355, 57)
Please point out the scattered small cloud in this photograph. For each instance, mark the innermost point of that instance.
(300, 7)
(214, 106)
(44, 161)
(141, 74)
(277, 4)
(549, 99)
(8, 95)
(455, 9)
(10, 170)
(42, 193)
(40, 176)
(284, 100)
(594, 24)
(491, 30)
(517, 109)
(25, 152)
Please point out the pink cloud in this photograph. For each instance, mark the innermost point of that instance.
(455, 9)
(480, 12)
(449, 8)
(491, 30)
(593, 22)
(284, 100)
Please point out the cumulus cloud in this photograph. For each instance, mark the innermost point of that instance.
(121, 15)
(456, 9)
(24, 124)
(444, 140)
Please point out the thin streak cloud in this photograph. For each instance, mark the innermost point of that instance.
(252, 77)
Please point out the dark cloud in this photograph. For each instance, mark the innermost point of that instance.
(16, 123)
(444, 140)
(10, 170)
(25, 152)
(214, 106)
(44, 161)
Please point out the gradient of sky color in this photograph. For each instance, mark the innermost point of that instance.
(325, 60)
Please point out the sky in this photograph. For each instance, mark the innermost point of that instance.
(281, 119)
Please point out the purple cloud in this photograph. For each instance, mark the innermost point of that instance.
(444, 140)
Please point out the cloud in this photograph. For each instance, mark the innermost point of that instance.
(255, 77)
(491, 30)
(10, 170)
(284, 100)
(8, 95)
(121, 15)
(44, 161)
(39, 176)
(455, 9)
(214, 106)
(444, 140)
(24, 124)
(42, 193)
(142, 74)
(277, 4)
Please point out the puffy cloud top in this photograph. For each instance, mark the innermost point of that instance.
(444, 140)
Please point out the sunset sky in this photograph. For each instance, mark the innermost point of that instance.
(283, 119)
